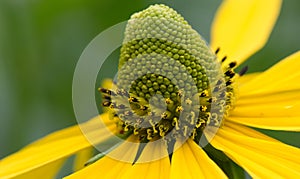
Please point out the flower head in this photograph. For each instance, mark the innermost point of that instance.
(175, 106)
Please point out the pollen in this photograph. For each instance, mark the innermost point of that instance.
(169, 83)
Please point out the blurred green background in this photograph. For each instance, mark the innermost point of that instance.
(41, 41)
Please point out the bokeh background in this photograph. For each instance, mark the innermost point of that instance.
(41, 41)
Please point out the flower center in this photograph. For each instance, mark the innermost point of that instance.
(169, 83)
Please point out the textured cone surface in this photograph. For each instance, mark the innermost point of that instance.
(167, 78)
(160, 42)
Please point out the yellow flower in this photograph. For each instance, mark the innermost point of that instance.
(267, 100)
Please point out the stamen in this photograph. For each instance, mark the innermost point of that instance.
(232, 64)
(133, 99)
(204, 93)
(230, 73)
(188, 101)
(185, 128)
(229, 82)
(106, 103)
(217, 51)
(243, 70)
(175, 123)
(179, 109)
(192, 117)
(203, 108)
(194, 133)
(143, 108)
(149, 132)
(107, 97)
(223, 59)
(106, 91)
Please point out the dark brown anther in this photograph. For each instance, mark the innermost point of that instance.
(217, 51)
(107, 97)
(232, 64)
(229, 82)
(243, 70)
(104, 90)
(230, 73)
(223, 59)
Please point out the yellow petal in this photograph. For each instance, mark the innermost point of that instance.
(247, 78)
(278, 109)
(210, 169)
(244, 130)
(108, 167)
(58, 145)
(190, 161)
(48, 171)
(242, 27)
(284, 76)
(260, 157)
(82, 157)
(282, 97)
(75, 130)
(148, 165)
(272, 123)
(184, 164)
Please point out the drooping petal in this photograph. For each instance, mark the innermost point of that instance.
(262, 158)
(241, 28)
(190, 160)
(54, 147)
(284, 76)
